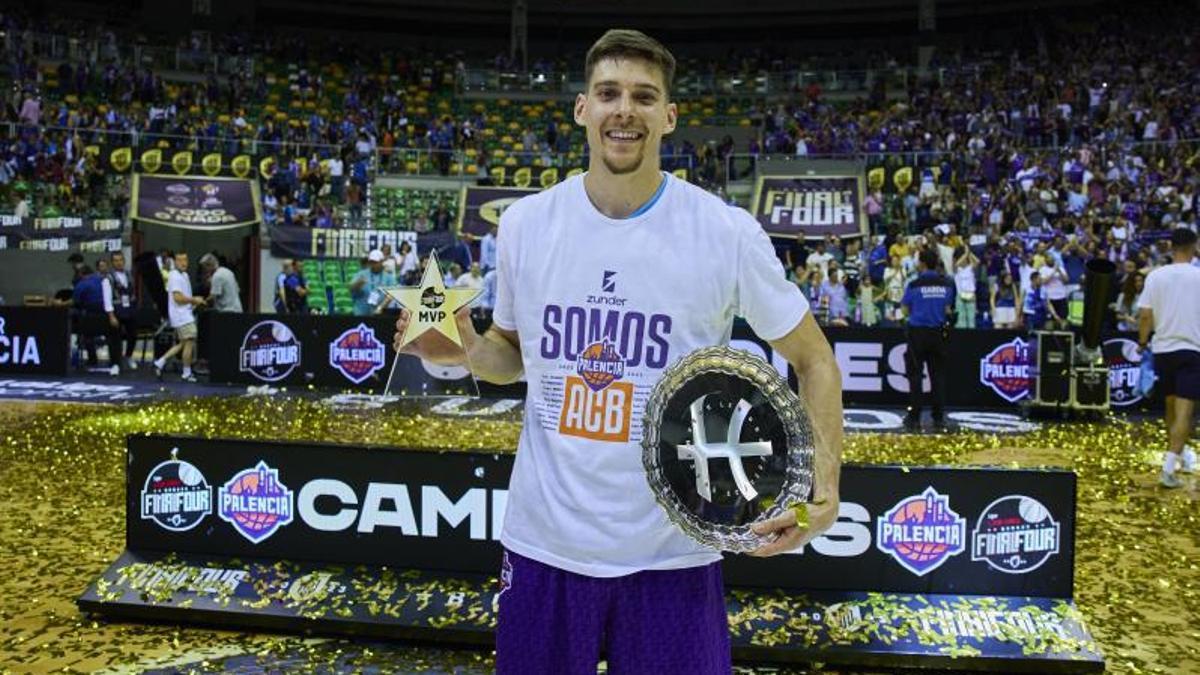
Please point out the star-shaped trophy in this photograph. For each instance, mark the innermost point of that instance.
(432, 308)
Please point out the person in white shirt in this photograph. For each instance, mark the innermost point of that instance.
(1168, 308)
(1054, 286)
(820, 257)
(337, 178)
(180, 302)
(673, 265)
(487, 249)
(964, 287)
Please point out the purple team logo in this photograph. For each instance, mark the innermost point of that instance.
(599, 365)
(1007, 370)
(921, 532)
(269, 351)
(1124, 370)
(256, 503)
(357, 353)
(506, 575)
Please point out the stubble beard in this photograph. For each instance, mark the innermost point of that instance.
(618, 170)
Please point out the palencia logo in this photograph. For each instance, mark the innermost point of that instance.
(18, 350)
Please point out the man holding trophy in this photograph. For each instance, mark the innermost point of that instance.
(647, 447)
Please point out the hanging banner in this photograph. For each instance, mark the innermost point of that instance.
(93, 235)
(196, 203)
(293, 241)
(810, 207)
(480, 207)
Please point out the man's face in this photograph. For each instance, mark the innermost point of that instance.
(626, 113)
(118, 262)
(376, 267)
(181, 262)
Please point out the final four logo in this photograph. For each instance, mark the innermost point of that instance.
(256, 502)
(176, 495)
(1124, 370)
(269, 351)
(1015, 535)
(1007, 370)
(357, 353)
(922, 532)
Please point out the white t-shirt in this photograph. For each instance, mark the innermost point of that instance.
(821, 260)
(177, 314)
(964, 281)
(1053, 283)
(655, 287)
(1170, 292)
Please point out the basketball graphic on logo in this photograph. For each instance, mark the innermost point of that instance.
(918, 551)
(600, 365)
(247, 483)
(1032, 511)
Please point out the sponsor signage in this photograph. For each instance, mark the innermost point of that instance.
(34, 340)
(871, 361)
(973, 531)
(269, 351)
(480, 207)
(929, 631)
(357, 353)
(92, 235)
(195, 203)
(1124, 363)
(810, 207)
(295, 241)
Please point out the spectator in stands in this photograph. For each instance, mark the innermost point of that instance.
(280, 301)
(179, 312)
(487, 298)
(1126, 306)
(457, 251)
(473, 278)
(965, 273)
(487, 249)
(1034, 305)
(121, 306)
(295, 290)
(1005, 299)
(894, 281)
(820, 257)
(93, 320)
(224, 294)
(364, 287)
(407, 265)
(869, 296)
(835, 299)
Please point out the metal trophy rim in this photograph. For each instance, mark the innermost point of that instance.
(798, 481)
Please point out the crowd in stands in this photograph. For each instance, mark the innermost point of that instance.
(1076, 144)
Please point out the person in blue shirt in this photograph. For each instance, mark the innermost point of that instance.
(927, 301)
(367, 282)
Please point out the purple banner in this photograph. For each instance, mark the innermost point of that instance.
(480, 207)
(195, 203)
(810, 207)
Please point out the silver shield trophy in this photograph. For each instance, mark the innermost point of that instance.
(727, 444)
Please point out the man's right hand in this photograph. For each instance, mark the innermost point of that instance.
(432, 345)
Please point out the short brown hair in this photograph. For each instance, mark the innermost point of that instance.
(628, 43)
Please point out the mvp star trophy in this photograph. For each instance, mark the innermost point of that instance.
(432, 307)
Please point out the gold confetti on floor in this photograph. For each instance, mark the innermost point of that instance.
(62, 523)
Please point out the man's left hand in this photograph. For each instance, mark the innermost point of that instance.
(785, 532)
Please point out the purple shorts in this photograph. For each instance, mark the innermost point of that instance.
(658, 621)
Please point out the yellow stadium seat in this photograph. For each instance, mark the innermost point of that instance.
(472, 169)
(518, 147)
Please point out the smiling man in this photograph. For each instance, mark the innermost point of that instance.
(602, 282)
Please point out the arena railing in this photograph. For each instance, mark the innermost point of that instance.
(741, 165)
(757, 83)
(101, 51)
